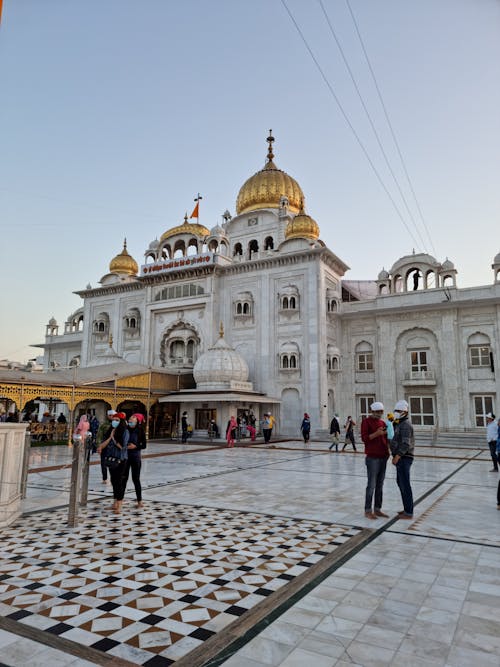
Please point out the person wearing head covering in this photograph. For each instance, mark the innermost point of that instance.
(136, 443)
(305, 428)
(374, 436)
(349, 433)
(102, 433)
(184, 426)
(335, 432)
(119, 435)
(267, 427)
(82, 427)
(232, 425)
(402, 448)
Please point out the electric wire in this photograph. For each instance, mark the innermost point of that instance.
(372, 125)
(350, 125)
(391, 129)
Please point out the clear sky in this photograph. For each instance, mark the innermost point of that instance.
(115, 113)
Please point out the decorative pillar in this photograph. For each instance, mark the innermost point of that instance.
(12, 443)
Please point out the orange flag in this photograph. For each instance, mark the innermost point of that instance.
(195, 213)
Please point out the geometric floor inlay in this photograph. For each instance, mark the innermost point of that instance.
(151, 585)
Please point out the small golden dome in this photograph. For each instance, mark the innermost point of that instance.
(265, 188)
(191, 228)
(302, 227)
(124, 263)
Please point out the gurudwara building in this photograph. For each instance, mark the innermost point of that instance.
(255, 315)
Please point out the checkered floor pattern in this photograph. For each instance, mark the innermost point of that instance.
(151, 585)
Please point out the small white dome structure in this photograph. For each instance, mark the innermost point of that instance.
(221, 367)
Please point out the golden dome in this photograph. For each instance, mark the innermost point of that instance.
(191, 228)
(265, 188)
(124, 263)
(302, 227)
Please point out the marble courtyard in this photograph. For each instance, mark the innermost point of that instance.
(250, 557)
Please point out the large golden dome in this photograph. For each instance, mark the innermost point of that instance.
(265, 188)
(192, 228)
(124, 263)
(302, 227)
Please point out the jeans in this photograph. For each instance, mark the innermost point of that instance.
(493, 451)
(375, 469)
(403, 479)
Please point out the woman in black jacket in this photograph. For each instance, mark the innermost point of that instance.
(136, 443)
(119, 435)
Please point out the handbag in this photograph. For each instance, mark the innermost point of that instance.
(113, 455)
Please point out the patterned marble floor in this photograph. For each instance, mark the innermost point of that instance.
(152, 584)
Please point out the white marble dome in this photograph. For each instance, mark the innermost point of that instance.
(383, 275)
(219, 367)
(496, 259)
(448, 265)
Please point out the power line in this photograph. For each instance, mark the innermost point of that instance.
(351, 127)
(393, 134)
(372, 125)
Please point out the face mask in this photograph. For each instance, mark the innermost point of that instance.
(132, 424)
(115, 423)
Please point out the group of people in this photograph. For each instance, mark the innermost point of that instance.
(238, 426)
(392, 436)
(348, 433)
(128, 438)
(493, 439)
(379, 446)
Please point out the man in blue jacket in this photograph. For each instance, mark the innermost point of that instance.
(402, 448)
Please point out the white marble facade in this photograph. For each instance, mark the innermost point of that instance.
(312, 339)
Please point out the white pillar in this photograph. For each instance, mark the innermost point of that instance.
(12, 442)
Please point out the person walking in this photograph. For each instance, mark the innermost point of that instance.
(335, 432)
(118, 435)
(349, 433)
(305, 428)
(94, 427)
(491, 438)
(402, 449)
(374, 436)
(136, 443)
(232, 425)
(102, 433)
(82, 428)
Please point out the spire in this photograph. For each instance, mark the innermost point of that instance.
(270, 155)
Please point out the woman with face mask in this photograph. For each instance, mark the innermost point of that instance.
(136, 443)
(119, 435)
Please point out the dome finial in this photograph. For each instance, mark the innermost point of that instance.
(186, 219)
(125, 243)
(270, 140)
(221, 330)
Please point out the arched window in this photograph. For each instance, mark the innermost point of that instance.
(292, 303)
(284, 361)
(253, 248)
(289, 298)
(293, 361)
(238, 249)
(239, 308)
(101, 323)
(179, 346)
(479, 351)
(289, 356)
(284, 303)
(364, 357)
(246, 309)
(269, 243)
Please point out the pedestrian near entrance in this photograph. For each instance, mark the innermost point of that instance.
(267, 427)
(491, 437)
(402, 449)
(118, 435)
(184, 426)
(305, 428)
(335, 432)
(136, 443)
(232, 425)
(374, 436)
(349, 433)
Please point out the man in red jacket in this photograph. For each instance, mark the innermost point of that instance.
(374, 435)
